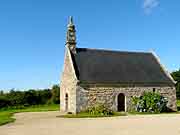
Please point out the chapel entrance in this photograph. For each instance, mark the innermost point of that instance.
(66, 102)
(121, 102)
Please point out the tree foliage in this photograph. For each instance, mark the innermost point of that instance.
(16, 98)
(176, 76)
(55, 94)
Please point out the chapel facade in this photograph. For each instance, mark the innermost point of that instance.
(92, 76)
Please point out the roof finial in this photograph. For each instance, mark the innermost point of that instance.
(70, 20)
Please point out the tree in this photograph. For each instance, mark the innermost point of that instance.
(1, 92)
(43, 96)
(176, 76)
(55, 94)
(15, 98)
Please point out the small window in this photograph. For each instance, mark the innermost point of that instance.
(66, 96)
(66, 102)
(154, 89)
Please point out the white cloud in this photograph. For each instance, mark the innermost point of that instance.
(149, 5)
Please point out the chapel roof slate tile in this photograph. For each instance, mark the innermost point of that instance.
(106, 66)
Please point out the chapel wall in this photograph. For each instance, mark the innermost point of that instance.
(89, 96)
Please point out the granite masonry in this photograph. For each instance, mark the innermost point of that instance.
(92, 76)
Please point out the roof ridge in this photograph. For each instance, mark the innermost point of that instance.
(110, 50)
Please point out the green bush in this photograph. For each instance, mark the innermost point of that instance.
(176, 77)
(4, 102)
(20, 99)
(100, 109)
(150, 102)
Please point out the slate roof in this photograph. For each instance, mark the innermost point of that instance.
(104, 66)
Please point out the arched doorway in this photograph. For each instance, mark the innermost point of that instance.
(66, 102)
(121, 102)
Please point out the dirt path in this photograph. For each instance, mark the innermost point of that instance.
(46, 123)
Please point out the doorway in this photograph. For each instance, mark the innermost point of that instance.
(121, 102)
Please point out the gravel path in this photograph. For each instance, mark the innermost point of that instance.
(46, 123)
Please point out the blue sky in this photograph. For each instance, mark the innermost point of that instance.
(32, 34)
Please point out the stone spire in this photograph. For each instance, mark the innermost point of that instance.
(71, 35)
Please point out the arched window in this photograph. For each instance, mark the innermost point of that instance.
(66, 102)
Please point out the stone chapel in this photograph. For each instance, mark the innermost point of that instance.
(110, 77)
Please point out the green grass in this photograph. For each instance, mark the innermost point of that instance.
(87, 115)
(147, 113)
(6, 115)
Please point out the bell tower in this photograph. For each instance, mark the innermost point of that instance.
(71, 35)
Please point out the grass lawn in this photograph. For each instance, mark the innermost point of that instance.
(87, 115)
(6, 115)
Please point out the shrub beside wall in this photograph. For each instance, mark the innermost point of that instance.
(150, 102)
(100, 109)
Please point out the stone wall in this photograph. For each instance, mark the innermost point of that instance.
(88, 96)
(68, 85)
